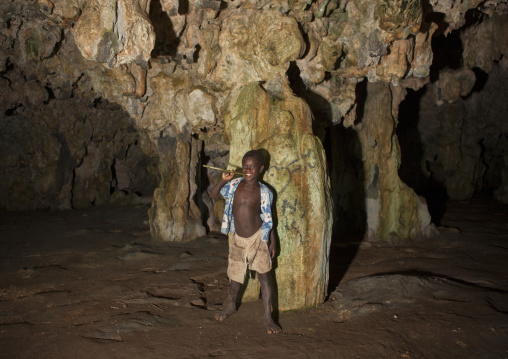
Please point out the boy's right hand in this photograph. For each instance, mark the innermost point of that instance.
(228, 176)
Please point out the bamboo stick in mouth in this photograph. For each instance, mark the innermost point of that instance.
(223, 170)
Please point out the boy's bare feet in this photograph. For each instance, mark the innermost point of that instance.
(271, 327)
(231, 308)
(266, 291)
(226, 313)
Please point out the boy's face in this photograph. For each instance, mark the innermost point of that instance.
(251, 168)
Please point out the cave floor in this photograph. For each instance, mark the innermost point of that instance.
(91, 283)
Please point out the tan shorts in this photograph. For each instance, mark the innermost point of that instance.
(249, 252)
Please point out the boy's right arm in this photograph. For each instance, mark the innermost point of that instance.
(226, 177)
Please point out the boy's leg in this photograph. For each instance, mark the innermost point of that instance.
(234, 289)
(266, 291)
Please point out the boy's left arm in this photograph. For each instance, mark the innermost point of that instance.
(272, 245)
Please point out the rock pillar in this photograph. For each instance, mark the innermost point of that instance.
(174, 216)
(394, 211)
(281, 128)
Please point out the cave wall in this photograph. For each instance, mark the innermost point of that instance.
(215, 50)
(460, 117)
(62, 145)
(156, 87)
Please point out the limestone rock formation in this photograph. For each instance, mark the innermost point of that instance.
(115, 32)
(394, 211)
(179, 71)
(62, 145)
(256, 46)
(471, 160)
(281, 128)
(463, 118)
(173, 216)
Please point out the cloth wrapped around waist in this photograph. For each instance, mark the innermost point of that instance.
(252, 252)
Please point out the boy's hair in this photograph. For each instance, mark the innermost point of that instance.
(257, 155)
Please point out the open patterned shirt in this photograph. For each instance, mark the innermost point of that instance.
(228, 222)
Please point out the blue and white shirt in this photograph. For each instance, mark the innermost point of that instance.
(228, 221)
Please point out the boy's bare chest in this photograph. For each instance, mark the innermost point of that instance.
(247, 196)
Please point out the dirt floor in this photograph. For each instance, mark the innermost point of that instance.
(93, 284)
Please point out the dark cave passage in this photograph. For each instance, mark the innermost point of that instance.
(413, 170)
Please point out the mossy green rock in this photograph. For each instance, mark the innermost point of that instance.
(296, 171)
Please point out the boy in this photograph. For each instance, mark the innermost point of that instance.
(248, 215)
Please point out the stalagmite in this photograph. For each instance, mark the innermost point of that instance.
(296, 170)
